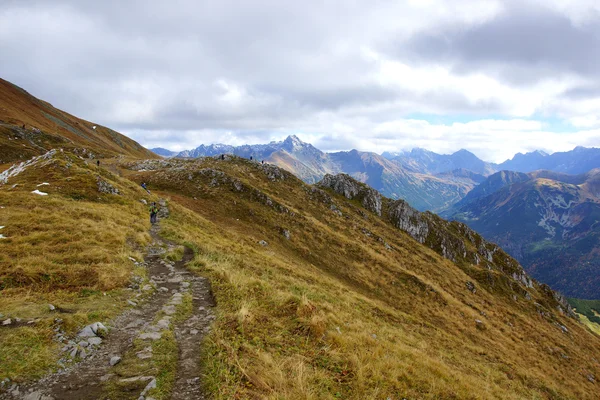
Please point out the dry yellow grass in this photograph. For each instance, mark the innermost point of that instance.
(334, 313)
(70, 248)
(349, 307)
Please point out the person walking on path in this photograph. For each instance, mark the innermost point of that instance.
(145, 187)
(98, 163)
(153, 213)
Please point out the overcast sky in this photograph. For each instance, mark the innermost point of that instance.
(494, 77)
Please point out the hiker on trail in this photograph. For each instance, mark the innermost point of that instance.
(145, 188)
(98, 162)
(153, 213)
(262, 162)
(250, 158)
(222, 156)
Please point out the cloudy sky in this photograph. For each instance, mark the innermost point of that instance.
(494, 77)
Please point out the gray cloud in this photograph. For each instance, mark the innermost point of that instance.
(188, 72)
(523, 44)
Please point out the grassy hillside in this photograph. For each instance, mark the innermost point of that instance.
(316, 296)
(337, 303)
(29, 127)
(69, 248)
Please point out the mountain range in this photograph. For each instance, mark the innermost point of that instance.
(427, 180)
(547, 220)
(433, 185)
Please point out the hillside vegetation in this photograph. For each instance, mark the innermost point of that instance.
(319, 298)
(69, 248)
(326, 291)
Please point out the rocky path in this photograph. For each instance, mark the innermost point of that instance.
(149, 319)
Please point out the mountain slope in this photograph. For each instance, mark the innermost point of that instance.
(422, 190)
(551, 225)
(577, 161)
(334, 291)
(29, 126)
(328, 291)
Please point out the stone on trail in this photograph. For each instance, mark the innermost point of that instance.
(115, 360)
(7, 322)
(163, 324)
(51, 307)
(151, 335)
(149, 386)
(95, 341)
(169, 310)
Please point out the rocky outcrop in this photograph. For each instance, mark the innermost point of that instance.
(409, 220)
(105, 187)
(352, 189)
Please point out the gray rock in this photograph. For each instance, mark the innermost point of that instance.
(151, 385)
(114, 360)
(286, 234)
(169, 309)
(150, 336)
(105, 187)
(83, 343)
(263, 243)
(132, 303)
(409, 220)
(137, 379)
(7, 322)
(163, 324)
(95, 341)
(51, 307)
(471, 287)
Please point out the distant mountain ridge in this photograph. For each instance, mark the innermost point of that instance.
(577, 161)
(422, 190)
(163, 152)
(548, 221)
(425, 161)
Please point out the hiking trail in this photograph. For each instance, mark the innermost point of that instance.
(144, 323)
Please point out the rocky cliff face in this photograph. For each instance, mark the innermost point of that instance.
(352, 189)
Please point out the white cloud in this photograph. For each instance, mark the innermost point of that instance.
(339, 74)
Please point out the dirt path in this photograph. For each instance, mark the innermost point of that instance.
(169, 283)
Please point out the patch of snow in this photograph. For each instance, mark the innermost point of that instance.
(16, 169)
(40, 193)
(43, 184)
(94, 127)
